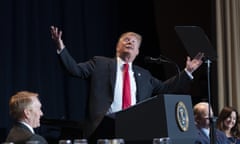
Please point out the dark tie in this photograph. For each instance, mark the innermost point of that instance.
(126, 100)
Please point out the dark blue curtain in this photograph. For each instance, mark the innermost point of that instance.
(28, 59)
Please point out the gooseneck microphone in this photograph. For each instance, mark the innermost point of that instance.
(157, 60)
(162, 59)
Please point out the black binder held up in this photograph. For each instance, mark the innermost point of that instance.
(160, 116)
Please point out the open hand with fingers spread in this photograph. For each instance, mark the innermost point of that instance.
(195, 63)
(57, 37)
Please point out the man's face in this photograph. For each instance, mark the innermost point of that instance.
(203, 120)
(34, 113)
(128, 47)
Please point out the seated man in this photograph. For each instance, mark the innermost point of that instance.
(201, 115)
(25, 108)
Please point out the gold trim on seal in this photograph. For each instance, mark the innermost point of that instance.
(182, 116)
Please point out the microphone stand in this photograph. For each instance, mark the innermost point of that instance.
(212, 119)
(168, 60)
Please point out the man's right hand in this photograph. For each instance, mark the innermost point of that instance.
(57, 37)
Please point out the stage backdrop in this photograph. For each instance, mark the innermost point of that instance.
(28, 59)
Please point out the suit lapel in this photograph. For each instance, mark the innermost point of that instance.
(23, 126)
(137, 75)
(112, 72)
(204, 135)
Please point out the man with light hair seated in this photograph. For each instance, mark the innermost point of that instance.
(202, 121)
(25, 108)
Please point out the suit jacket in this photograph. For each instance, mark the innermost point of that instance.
(202, 138)
(101, 72)
(20, 134)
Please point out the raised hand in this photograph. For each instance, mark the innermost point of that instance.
(195, 63)
(57, 37)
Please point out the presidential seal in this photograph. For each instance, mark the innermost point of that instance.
(182, 116)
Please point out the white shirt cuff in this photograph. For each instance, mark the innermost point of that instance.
(59, 51)
(189, 74)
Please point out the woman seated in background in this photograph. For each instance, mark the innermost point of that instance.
(228, 123)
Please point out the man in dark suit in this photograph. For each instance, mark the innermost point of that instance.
(25, 108)
(201, 115)
(106, 77)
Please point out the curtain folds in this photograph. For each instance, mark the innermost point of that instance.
(228, 47)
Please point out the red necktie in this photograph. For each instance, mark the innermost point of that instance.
(126, 100)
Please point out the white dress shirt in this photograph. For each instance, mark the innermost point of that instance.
(206, 131)
(118, 90)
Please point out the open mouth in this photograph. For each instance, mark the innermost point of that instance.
(129, 46)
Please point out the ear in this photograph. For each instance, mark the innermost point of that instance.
(26, 113)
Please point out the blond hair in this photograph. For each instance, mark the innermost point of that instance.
(138, 36)
(19, 102)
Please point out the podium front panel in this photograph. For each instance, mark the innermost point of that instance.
(165, 115)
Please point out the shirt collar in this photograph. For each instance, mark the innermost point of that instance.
(121, 63)
(27, 125)
(206, 131)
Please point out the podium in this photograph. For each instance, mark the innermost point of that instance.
(165, 115)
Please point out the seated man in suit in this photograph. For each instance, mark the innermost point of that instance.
(201, 115)
(25, 108)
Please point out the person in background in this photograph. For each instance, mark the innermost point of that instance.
(106, 79)
(202, 122)
(25, 109)
(228, 123)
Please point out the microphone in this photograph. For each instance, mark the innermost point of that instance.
(162, 59)
(157, 60)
